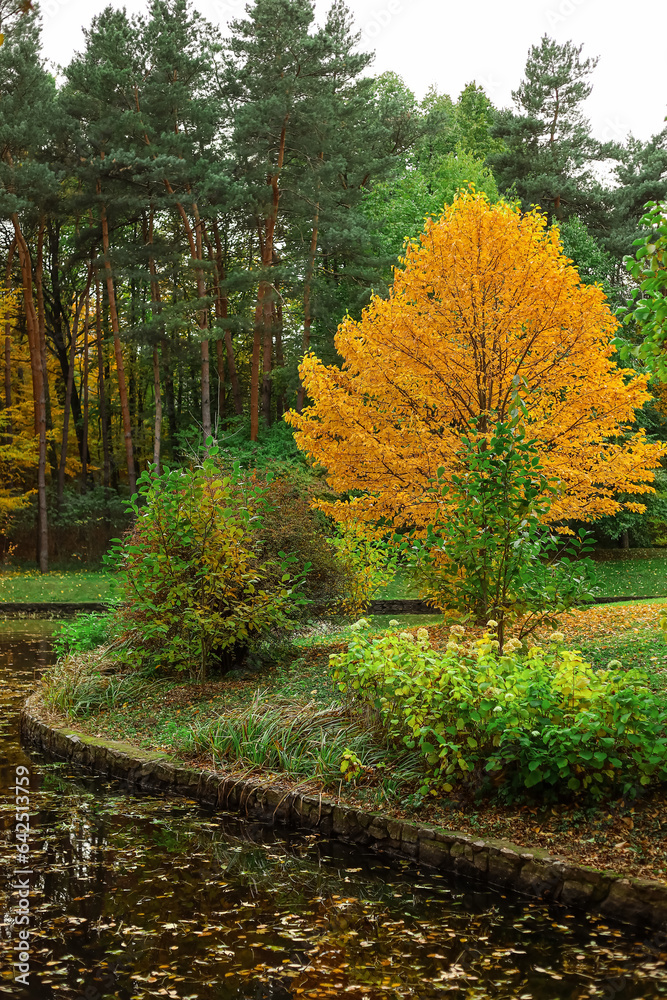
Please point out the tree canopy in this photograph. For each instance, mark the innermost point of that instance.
(487, 311)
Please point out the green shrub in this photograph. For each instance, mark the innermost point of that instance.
(490, 555)
(291, 524)
(541, 719)
(85, 632)
(195, 586)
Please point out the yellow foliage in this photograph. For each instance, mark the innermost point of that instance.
(486, 306)
(18, 456)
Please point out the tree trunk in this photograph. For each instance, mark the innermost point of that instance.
(156, 307)
(307, 293)
(41, 323)
(280, 358)
(102, 392)
(38, 392)
(267, 354)
(60, 322)
(220, 351)
(118, 351)
(223, 306)
(195, 240)
(68, 402)
(170, 398)
(205, 363)
(254, 366)
(264, 296)
(625, 540)
(8, 374)
(158, 409)
(70, 383)
(8, 345)
(84, 449)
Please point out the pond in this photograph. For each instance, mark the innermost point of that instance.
(137, 896)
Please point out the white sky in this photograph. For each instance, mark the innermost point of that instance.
(451, 42)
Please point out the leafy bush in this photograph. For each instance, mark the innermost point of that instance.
(541, 719)
(85, 632)
(195, 585)
(491, 554)
(291, 524)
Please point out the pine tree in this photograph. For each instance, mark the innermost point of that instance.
(27, 184)
(182, 117)
(105, 129)
(548, 147)
(641, 176)
(274, 66)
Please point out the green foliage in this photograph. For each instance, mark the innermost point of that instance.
(335, 572)
(400, 206)
(490, 554)
(543, 720)
(83, 633)
(648, 303)
(644, 529)
(192, 576)
(310, 744)
(351, 765)
(76, 687)
(594, 264)
(371, 564)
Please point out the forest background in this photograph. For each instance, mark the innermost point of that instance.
(184, 216)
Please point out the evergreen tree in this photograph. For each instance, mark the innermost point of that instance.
(641, 176)
(28, 185)
(548, 150)
(275, 62)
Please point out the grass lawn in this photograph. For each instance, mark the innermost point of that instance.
(616, 578)
(633, 577)
(622, 578)
(32, 587)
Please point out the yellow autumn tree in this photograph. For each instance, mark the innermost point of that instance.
(485, 307)
(18, 453)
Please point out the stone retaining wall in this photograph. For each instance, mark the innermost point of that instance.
(497, 863)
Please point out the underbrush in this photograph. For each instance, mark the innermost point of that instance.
(298, 741)
(514, 723)
(78, 686)
(85, 633)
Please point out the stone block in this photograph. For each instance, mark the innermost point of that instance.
(433, 853)
(504, 865)
(576, 892)
(378, 829)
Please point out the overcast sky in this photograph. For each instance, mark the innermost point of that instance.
(451, 42)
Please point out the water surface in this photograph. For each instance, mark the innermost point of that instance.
(137, 896)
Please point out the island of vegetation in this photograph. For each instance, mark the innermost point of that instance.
(280, 338)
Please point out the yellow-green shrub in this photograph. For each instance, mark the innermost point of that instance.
(539, 719)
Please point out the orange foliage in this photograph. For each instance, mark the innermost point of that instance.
(485, 306)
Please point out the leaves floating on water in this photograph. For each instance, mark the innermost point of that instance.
(142, 897)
